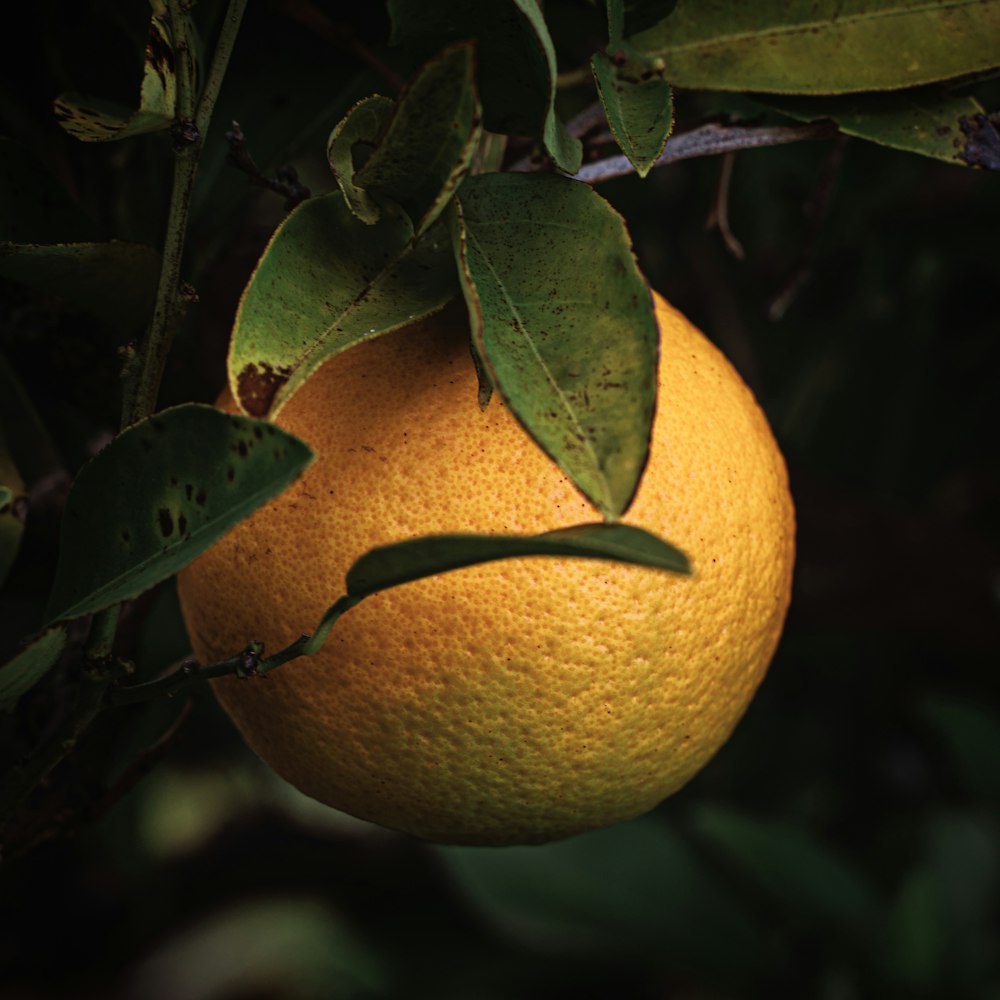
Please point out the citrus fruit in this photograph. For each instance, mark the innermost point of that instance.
(522, 700)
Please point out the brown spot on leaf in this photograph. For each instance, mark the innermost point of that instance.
(257, 385)
(166, 520)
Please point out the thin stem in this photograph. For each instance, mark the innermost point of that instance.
(189, 140)
(709, 140)
(249, 662)
(220, 63)
(245, 663)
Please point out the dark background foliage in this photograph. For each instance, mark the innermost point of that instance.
(845, 843)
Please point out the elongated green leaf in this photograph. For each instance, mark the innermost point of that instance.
(429, 144)
(515, 58)
(823, 46)
(392, 565)
(917, 121)
(639, 106)
(114, 281)
(364, 124)
(564, 323)
(159, 495)
(789, 864)
(325, 282)
(415, 558)
(95, 120)
(19, 675)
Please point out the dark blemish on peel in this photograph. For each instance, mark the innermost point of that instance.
(200, 498)
(258, 434)
(188, 490)
(181, 524)
(242, 449)
(230, 473)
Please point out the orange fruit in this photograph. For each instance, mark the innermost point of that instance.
(517, 701)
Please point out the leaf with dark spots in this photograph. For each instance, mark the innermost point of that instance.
(428, 146)
(324, 283)
(130, 521)
(578, 367)
(922, 120)
(93, 120)
(639, 106)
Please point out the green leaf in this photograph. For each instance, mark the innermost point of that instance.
(114, 281)
(634, 890)
(325, 282)
(364, 125)
(94, 120)
(412, 559)
(639, 106)
(415, 558)
(917, 121)
(564, 323)
(515, 59)
(34, 208)
(823, 46)
(430, 142)
(19, 675)
(159, 495)
(789, 864)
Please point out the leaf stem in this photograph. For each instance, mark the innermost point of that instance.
(249, 662)
(194, 117)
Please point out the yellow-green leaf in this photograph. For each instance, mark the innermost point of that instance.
(823, 46)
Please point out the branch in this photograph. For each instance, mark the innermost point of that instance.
(708, 140)
(285, 182)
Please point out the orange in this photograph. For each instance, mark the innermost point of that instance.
(518, 701)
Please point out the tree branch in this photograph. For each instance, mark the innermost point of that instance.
(707, 140)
